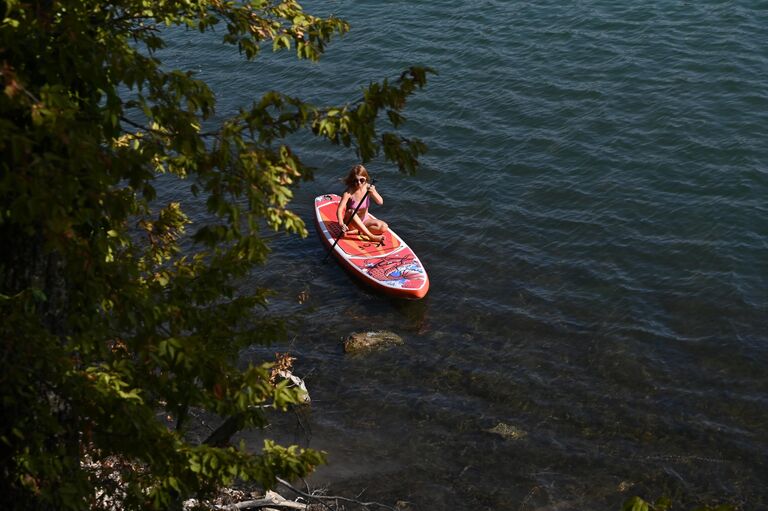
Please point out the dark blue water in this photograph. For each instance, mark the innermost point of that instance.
(593, 214)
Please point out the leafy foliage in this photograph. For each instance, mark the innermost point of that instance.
(665, 504)
(107, 322)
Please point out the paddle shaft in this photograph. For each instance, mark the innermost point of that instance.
(350, 219)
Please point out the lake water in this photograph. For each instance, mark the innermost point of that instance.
(593, 215)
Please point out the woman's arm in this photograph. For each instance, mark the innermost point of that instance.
(376, 197)
(341, 209)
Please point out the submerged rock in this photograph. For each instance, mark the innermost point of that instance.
(365, 341)
(507, 431)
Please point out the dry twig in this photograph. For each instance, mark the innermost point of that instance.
(323, 498)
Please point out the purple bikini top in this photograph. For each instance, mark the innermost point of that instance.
(366, 203)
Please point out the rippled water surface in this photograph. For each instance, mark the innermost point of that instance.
(593, 215)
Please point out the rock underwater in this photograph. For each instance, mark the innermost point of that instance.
(367, 341)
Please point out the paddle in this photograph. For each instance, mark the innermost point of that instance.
(373, 181)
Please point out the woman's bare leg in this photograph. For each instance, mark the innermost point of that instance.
(364, 229)
(376, 225)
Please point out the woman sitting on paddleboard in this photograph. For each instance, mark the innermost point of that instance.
(358, 183)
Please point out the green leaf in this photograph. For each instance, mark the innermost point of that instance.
(636, 504)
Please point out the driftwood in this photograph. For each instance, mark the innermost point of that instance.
(271, 500)
(324, 500)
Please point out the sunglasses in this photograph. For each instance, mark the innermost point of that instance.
(361, 180)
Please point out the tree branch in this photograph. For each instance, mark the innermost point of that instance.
(321, 498)
(221, 435)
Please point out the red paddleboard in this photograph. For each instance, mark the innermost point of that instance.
(390, 267)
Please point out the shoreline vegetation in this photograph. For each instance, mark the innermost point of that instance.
(115, 304)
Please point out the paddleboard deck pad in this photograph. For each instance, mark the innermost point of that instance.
(390, 267)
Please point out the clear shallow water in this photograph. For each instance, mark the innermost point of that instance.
(593, 217)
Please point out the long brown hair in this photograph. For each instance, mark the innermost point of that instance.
(357, 171)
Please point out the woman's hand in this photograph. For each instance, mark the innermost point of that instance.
(344, 227)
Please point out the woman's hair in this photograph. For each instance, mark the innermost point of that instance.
(357, 170)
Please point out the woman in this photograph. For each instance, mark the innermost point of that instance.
(358, 183)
